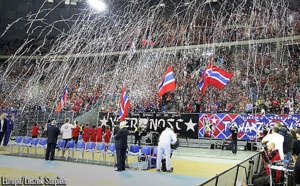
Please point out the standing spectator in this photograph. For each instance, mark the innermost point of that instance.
(296, 146)
(86, 133)
(277, 139)
(66, 131)
(75, 132)
(166, 138)
(81, 128)
(35, 131)
(286, 142)
(9, 129)
(99, 134)
(107, 136)
(115, 130)
(249, 107)
(297, 171)
(234, 131)
(3, 126)
(137, 134)
(52, 133)
(93, 134)
(121, 146)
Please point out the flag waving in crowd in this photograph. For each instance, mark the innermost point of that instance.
(167, 83)
(203, 81)
(215, 77)
(63, 100)
(132, 51)
(124, 105)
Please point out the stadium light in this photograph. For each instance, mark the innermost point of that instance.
(98, 4)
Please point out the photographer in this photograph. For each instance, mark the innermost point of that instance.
(234, 131)
(138, 135)
(269, 155)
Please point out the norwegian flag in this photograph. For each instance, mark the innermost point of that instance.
(132, 51)
(167, 83)
(124, 105)
(63, 100)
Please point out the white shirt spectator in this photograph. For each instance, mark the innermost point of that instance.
(66, 130)
(263, 112)
(168, 136)
(277, 139)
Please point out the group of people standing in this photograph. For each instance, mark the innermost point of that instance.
(279, 143)
(6, 128)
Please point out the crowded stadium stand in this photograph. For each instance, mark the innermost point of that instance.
(67, 61)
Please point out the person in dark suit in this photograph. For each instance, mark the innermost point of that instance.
(121, 146)
(9, 129)
(3, 125)
(52, 134)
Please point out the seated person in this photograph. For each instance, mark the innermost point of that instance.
(269, 155)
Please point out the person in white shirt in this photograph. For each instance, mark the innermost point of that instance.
(66, 131)
(166, 138)
(277, 139)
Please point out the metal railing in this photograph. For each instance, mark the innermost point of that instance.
(239, 174)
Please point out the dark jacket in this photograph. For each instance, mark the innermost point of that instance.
(116, 129)
(296, 147)
(234, 132)
(297, 171)
(286, 144)
(52, 133)
(4, 125)
(121, 139)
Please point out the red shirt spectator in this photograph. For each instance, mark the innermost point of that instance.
(93, 134)
(99, 134)
(107, 134)
(35, 131)
(86, 133)
(75, 133)
(275, 103)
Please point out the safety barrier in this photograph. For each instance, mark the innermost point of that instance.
(239, 174)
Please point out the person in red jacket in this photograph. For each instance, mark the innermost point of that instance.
(93, 134)
(35, 131)
(86, 133)
(107, 136)
(99, 134)
(269, 155)
(75, 132)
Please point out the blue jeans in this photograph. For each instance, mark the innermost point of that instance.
(289, 156)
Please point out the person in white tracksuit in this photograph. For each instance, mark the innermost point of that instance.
(166, 138)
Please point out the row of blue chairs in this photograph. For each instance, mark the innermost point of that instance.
(28, 142)
(89, 147)
(80, 148)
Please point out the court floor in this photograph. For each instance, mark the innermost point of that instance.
(192, 166)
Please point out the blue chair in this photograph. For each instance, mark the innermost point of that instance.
(18, 140)
(133, 151)
(112, 151)
(42, 145)
(69, 147)
(80, 137)
(146, 150)
(26, 142)
(60, 145)
(89, 148)
(145, 153)
(33, 143)
(99, 149)
(80, 148)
